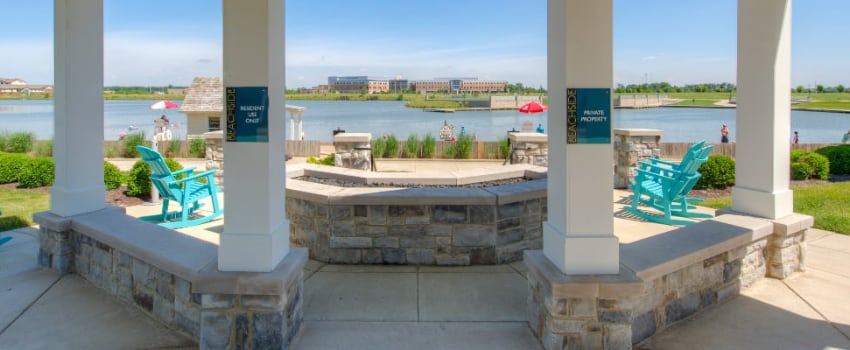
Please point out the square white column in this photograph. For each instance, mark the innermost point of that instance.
(78, 107)
(256, 232)
(763, 110)
(579, 235)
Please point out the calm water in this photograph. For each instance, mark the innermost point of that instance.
(321, 117)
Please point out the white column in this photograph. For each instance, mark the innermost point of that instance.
(300, 125)
(256, 232)
(292, 125)
(579, 235)
(763, 114)
(78, 107)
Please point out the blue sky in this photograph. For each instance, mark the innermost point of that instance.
(160, 42)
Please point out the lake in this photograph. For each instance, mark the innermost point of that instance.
(378, 117)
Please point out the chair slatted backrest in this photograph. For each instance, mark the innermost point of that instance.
(695, 160)
(161, 175)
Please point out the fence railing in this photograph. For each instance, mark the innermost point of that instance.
(677, 150)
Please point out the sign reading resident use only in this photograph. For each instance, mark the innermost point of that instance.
(588, 115)
(246, 109)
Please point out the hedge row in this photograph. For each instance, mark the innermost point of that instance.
(32, 172)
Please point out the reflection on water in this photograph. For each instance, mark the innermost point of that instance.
(379, 118)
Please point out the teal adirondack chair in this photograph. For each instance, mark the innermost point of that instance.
(664, 186)
(186, 191)
(3, 240)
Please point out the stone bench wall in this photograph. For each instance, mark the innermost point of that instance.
(657, 289)
(439, 234)
(119, 254)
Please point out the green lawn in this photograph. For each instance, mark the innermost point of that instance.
(827, 202)
(842, 105)
(19, 205)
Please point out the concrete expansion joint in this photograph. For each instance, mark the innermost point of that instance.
(27, 308)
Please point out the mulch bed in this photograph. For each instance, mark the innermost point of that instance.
(117, 197)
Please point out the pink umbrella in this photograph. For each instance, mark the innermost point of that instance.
(533, 107)
(164, 105)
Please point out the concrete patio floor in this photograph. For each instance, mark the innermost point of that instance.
(423, 307)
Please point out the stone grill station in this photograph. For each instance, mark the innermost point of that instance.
(353, 150)
(529, 148)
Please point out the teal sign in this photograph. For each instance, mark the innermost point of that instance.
(246, 109)
(589, 116)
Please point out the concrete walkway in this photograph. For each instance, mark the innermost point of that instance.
(390, 307)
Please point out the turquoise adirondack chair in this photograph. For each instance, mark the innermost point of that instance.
(664, 186)
(186, 191)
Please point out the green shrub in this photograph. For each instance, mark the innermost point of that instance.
(379, 146)
(411, 146)
(138, 180)
(197, 148)
(111, 151)
(327, 160)
(429, 146)
(717, 172)
(19, 142)
(174, 147)
(10, 166)
(392, 146)
(818, 164)
(450, 151)
(463, 146)
(44, 149)
(112, 176)
(801, 171)
(38, 172)
(839, 158)
(4, 138)
(130, 142)
(504, 148)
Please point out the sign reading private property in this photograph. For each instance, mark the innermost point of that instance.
(588, 116)
(246, 109)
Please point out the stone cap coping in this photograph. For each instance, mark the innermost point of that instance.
(353, 137)
(275, 282)
(562, 286)
(662, 254)
(783, 226)
(638, 132)
(533, 137)
(184, 256)
(502, 194)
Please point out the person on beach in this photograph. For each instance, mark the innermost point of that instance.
(796, 139)
(540, 128)
(846, 138)
(724, 134)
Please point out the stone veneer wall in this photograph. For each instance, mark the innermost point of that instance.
(630, 147)
(656, 289)
(430, 234)
(208, 306)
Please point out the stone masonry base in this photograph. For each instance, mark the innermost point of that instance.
(663, 280)
(173, 278)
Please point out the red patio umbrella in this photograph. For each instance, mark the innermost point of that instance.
(164, 105)
(533, 107)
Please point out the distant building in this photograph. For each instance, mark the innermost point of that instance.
(398, 84)
(15, 86)
(358, 84)
(458, 85)
(317, 90)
